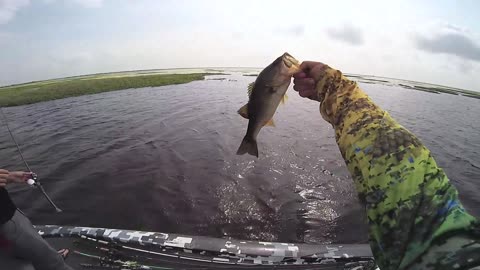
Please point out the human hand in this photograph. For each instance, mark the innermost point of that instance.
(19, 177)
(3, 177)
(306, 80)
(13, 177)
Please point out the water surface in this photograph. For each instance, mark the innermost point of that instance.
(163, 159)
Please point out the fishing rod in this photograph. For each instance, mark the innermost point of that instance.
(33, 181)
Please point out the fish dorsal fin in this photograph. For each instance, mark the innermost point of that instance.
(270, 123)
(284, 99)
(243, 111)
(250, 88)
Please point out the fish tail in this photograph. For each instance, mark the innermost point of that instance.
(248, 145)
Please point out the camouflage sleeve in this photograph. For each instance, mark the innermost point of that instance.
(416, 220)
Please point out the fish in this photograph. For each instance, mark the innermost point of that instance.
(265, 94)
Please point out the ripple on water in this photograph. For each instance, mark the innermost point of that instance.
(163, 159)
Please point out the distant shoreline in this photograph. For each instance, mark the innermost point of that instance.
(38, 91)
(35, 92)
(414, 85)
(140, 71)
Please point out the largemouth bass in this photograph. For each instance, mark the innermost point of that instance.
(265, 94)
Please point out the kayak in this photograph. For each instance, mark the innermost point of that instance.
(104, 248)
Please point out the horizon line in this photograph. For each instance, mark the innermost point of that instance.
(134, 70)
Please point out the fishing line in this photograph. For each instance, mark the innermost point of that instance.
(15, 141)
(34, 179)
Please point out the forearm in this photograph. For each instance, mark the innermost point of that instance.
(409, 200)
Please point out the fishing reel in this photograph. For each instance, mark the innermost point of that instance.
(33, 182)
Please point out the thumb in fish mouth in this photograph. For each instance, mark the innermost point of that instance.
(294, 69)
(291, 63)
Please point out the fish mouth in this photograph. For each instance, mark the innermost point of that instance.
(291, 63)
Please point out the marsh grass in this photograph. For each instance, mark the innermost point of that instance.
(34, 92)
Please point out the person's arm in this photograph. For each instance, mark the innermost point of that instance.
(3, 178)
(7, 177)
(415, 218)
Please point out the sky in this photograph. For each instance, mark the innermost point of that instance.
(429, 41)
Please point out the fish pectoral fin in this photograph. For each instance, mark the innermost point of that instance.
(284, 99)
(270, 123)
(250, 88)
(243, 111)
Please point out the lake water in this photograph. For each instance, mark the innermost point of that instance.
(163, 159)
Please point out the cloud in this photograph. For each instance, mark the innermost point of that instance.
(8, 9)
(295, 30)
(449, 26)
(5, 37)
(450, 41)
(90, 3)
(465, 67)
(83, 3)
(347, 33)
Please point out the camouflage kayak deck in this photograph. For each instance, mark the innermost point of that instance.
(100, 248)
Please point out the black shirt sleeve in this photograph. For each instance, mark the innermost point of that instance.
(7, 207)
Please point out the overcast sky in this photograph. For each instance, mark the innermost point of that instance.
(430, 41)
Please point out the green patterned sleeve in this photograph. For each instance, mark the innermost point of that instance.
(415, 218)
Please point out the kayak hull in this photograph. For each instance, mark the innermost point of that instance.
(176, 250)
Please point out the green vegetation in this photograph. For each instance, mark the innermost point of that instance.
(367, 80)
(471, 96)
(442, 89)
(425, 90)
(353, 76)
(375, 80)
(436, 90)
(370, 82)
(406, 86)
(213, 70)
(34, 92)
(419, 86)
(217, 79)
